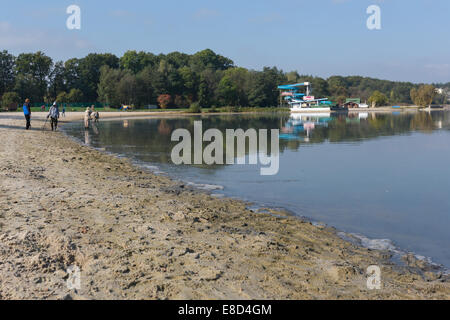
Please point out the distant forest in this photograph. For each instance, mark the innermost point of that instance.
(171, 80)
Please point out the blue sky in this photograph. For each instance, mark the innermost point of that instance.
(318, 37)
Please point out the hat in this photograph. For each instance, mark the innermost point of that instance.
(54, 103)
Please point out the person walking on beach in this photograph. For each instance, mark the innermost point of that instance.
(54, 116)
(87, 118)
(27, 112)
(64, 111)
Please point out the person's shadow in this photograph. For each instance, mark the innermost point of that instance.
(12, 116)
(4, 126)
(36, 125)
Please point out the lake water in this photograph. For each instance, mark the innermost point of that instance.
(384, 176)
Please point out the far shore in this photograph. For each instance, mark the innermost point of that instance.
(137, 235)
(111, 114)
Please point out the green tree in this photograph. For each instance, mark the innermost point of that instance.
(209, 82)
(239, 83)
(145, 89)
(378, 99)
(7, 75)
(137, 61)
(256, 90)
(190, 83)
(320, 87)
(341, 99)
(10, 101)
(423, 97)
(74, 96)
(208, 59)
(132, 61)
(228, 92)
(61, 97)
(25, 87)
(174, 82)
(195, 108)
(127, 88)
(72, 73)
(292, 77)
(33, 69)
(204, 94)
(393, 97)
(57, 81)
(107, 87)
(337, 86)
(178, 59)
(88, 73)
(262, 87)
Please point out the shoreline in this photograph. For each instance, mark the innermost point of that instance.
(137, 235)
(112, 114)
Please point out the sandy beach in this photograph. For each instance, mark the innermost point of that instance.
(137, 235)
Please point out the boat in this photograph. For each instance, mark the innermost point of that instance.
(315, 105)
(301, 102)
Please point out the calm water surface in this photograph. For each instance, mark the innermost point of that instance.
(385, 176)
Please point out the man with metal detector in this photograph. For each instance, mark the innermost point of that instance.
(54, 116)
(27, 112)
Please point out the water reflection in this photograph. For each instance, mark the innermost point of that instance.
(87, 137)
(164, 128)
(348, 127)
(301, 126)
(95, 128)
(154, 135)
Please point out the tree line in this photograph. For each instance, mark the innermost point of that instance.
(170, 80)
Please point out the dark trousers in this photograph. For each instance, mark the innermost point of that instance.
(28, 119)
(54, 123)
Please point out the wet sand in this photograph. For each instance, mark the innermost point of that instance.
(136, 235)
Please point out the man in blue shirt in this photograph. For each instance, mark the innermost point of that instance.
(27, 112)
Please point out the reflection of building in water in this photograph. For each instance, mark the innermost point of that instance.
(302, 125)
(309, 127)
(356, 118)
